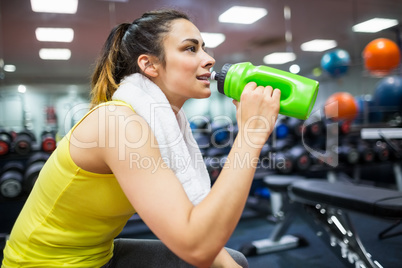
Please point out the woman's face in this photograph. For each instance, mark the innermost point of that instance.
(187, 70)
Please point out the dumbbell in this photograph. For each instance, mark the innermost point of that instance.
(300, 157)
(296, 126)
(295, 158)
(345, 127)
(348, 154)
(315, 129)
(381, 151)
(281, 130)
(220, 135)
(394, 146)
(5, 142)
(318, 160)
(23, 142)
(282, 163)
(366, 152)
(48, 141)
(33, 167)
(336, 127)
(11, 179)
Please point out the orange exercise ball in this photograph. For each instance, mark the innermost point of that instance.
(381, 56)
(341, 106)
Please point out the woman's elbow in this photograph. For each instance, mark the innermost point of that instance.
(200, 258)
(200, 254)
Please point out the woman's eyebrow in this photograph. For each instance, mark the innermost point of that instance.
(193, 40)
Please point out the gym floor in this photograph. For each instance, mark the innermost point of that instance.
(316, 252)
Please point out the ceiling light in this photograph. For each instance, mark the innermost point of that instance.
(374, 25)
(242, 15)
(287, 13)
(9, 68)
(279, 58)
(54, 34)
(55, 6)
(288, 36)
(213, 39)
(294, 69)
(318, 45)
(22, 89)
(54, 53)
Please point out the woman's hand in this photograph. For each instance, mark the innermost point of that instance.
(257, 112)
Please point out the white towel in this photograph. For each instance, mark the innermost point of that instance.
(175, 139)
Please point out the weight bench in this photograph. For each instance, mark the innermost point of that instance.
(324, 206)
(284, 212)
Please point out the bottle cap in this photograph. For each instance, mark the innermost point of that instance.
(220, 77)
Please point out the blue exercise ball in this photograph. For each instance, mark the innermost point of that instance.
(367, 111)
(388, 94)
(336, 62)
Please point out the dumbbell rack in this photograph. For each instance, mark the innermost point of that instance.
(20, 164)
(352, 154)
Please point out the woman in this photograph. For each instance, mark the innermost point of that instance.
(134, 153)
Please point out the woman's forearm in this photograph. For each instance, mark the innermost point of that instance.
(217, 215)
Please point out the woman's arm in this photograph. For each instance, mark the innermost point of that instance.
(195, 233)
(224, 260)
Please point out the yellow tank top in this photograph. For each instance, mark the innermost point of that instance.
(71, 216)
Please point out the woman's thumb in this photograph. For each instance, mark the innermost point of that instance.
(236, 103)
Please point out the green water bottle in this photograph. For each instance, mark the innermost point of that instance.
(298, 93)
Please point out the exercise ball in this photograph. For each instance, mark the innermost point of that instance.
(367, 111)
(336, 62)
(341, 106)
(381, 56)
(388, 94)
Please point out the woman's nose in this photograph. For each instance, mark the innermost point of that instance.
(208, 61)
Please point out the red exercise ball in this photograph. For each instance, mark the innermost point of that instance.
(381, 56)
(341, 106)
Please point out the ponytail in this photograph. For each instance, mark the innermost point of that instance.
(124, 45)
(103, 81)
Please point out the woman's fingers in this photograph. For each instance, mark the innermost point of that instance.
(276, 95)
(268, 90)
(252, 86)
(258, 110)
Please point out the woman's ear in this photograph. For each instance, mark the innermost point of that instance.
(148, 65)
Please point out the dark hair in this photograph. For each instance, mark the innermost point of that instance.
(125, 44)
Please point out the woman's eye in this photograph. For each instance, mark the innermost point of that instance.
(192, 49)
